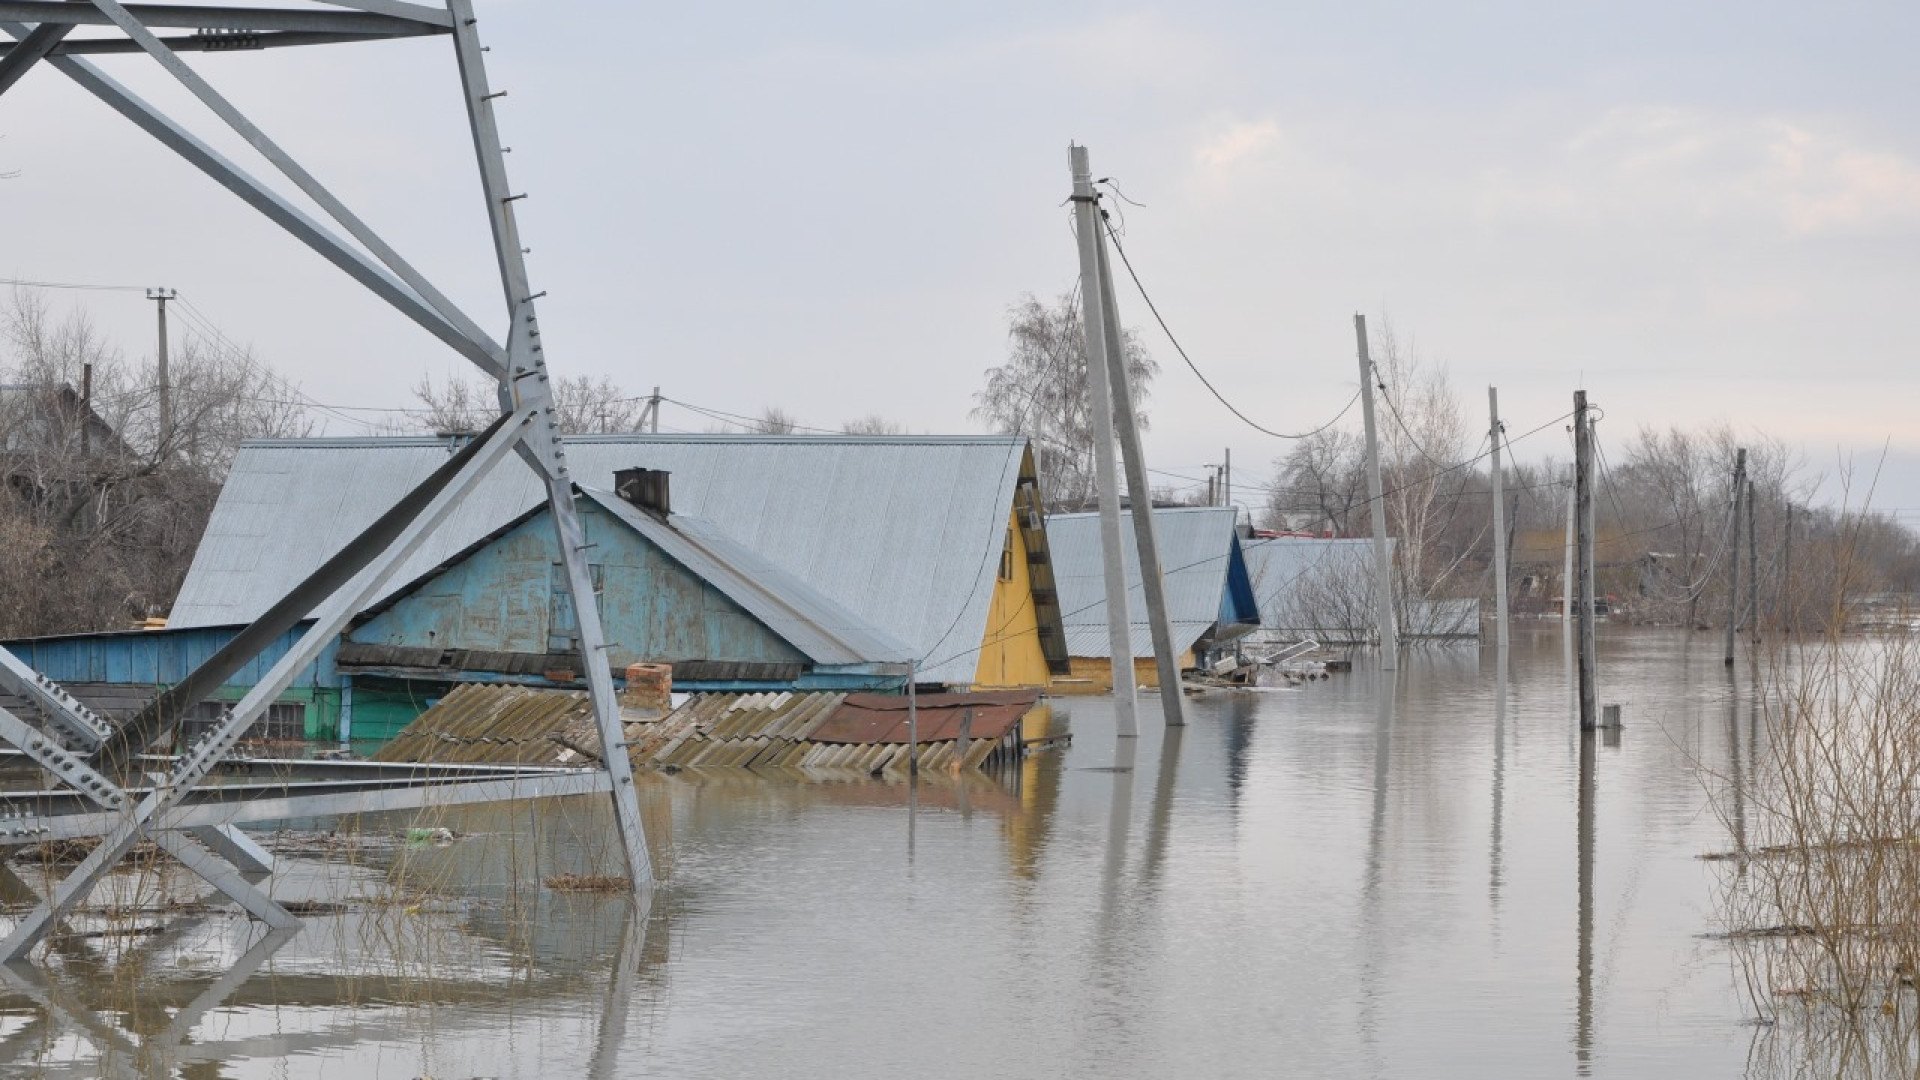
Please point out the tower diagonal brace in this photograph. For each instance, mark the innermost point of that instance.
(269, 203)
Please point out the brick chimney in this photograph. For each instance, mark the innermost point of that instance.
(644, 488)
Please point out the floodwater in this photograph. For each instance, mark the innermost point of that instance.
(1334, 881)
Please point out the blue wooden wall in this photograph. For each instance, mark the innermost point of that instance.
(503, 598)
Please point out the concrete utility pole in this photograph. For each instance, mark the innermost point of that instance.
(1376, 493)
(1583, 522)
(1566, 581)
(1139, 490)
(1226, 480)
(1733, 550)
(1499, 530)
(653, 412)
(160, 297)
(1784, 606)
(1753, 573)
(1086, 223)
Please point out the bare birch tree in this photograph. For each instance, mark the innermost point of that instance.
(1041, 392)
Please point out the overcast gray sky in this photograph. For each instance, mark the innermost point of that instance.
(1701, 212)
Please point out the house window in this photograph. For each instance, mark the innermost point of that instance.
(286, 721)
(1006, 558)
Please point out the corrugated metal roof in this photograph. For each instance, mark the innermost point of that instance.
(1196, 549)
(904, 532)
(811, 622)
(1309, 584)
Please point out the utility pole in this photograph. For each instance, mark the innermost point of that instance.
(1785, 605)
(1226, 480)
(653, 412)
(160, 296)
(1566, 579)
(1733, 550)
(1583, 523)
(1499, 530)
(1753, 573)
(1086, 221)
(1376, 492)
(86, 413)
(1146, 543)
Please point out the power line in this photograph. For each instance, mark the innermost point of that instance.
(24, 283)
(1191, 366)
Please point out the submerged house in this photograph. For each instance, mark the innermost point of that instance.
(1313, 589)
(1211, 600)
(779, 563)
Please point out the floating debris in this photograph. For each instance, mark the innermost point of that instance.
(590, 883)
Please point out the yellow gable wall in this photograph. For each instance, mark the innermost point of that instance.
(1010, 654)
(1094, 674)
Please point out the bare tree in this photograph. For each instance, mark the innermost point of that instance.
(1041, 392)
(775, 421)
(873, 424)
(102, 510)
(1321, 485)
(583, 404)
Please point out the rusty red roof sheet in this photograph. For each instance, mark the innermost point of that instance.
(882, 718)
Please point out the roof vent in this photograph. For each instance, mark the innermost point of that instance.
(644, 488)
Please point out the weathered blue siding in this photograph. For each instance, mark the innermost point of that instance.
(161, 657)
(502, 598)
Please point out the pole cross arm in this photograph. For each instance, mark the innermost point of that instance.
(225, 18)
(208, 41)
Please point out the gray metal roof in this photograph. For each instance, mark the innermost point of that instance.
(1196, 546)
(811, 622)
(1309, 584)
(904, 532)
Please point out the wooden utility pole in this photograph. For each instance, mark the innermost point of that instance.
(160, 298)
(1086, 221)
(1376, 494)
(1499, 530)
(86, 414)
(1583, 528)
(1140, 498)
(1733, 550)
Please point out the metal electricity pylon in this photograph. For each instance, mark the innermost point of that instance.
(101, 762)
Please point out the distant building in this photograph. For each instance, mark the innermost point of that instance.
(1311, 588)
(1210, 596)
(1322, 589)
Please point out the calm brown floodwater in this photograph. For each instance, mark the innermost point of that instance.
(1318, 882)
